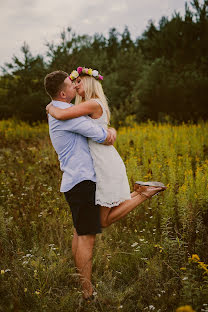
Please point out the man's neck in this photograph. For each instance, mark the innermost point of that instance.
(61, 100)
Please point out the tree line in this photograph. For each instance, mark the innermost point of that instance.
(162, 74)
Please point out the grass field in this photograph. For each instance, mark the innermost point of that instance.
(156, 259)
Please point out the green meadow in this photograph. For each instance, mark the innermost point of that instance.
(155, 259)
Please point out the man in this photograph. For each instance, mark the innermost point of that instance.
(69, 139)
(78, 181)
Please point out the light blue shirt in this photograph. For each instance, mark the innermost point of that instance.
(69, 139)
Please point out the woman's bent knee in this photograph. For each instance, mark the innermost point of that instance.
(104, 223)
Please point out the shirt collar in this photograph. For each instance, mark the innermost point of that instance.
(61, 104)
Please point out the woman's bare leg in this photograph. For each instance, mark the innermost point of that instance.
(111, 215)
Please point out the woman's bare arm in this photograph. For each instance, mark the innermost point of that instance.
(82, 109)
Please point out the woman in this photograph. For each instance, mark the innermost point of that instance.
(112, 187)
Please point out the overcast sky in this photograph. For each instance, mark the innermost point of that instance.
(38, 21)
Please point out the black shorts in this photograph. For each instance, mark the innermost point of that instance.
(85, 214)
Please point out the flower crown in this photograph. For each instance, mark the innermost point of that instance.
(85, 71)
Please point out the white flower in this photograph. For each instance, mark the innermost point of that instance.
(95, 73)
(134, 244)
(75, 74)
(28, 255)
(151, 307)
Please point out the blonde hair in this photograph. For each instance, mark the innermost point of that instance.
(93, 90)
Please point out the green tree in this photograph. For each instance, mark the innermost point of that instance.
(22, 92)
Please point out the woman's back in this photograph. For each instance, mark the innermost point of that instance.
(112, 187)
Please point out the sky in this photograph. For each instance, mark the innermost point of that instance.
(39, 21)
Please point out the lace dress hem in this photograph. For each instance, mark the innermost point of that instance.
(111, 204)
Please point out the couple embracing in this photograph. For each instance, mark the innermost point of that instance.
(94, 179)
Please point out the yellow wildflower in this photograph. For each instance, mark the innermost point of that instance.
(186, 308)
(37, 292)
(25, 290)
(2, 272)
(159, 247)
(202, 265)
(183, 269)
(195, 258)
(35, 273)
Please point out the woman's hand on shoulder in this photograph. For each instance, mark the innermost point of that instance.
(47, 108)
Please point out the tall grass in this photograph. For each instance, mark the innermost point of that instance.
(154, 259)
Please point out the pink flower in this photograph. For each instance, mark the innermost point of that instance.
(100, 77)
(79, 69)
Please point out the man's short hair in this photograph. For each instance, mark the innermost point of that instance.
(54, 81)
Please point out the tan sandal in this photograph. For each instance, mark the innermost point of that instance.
(139, 185)
(150, 196)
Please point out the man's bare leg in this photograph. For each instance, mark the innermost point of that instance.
(74, 244)
(111, 215)
(82, 251)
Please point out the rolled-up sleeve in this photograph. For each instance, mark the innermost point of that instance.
(85, 127)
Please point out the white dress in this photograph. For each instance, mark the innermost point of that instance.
(112, 186)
